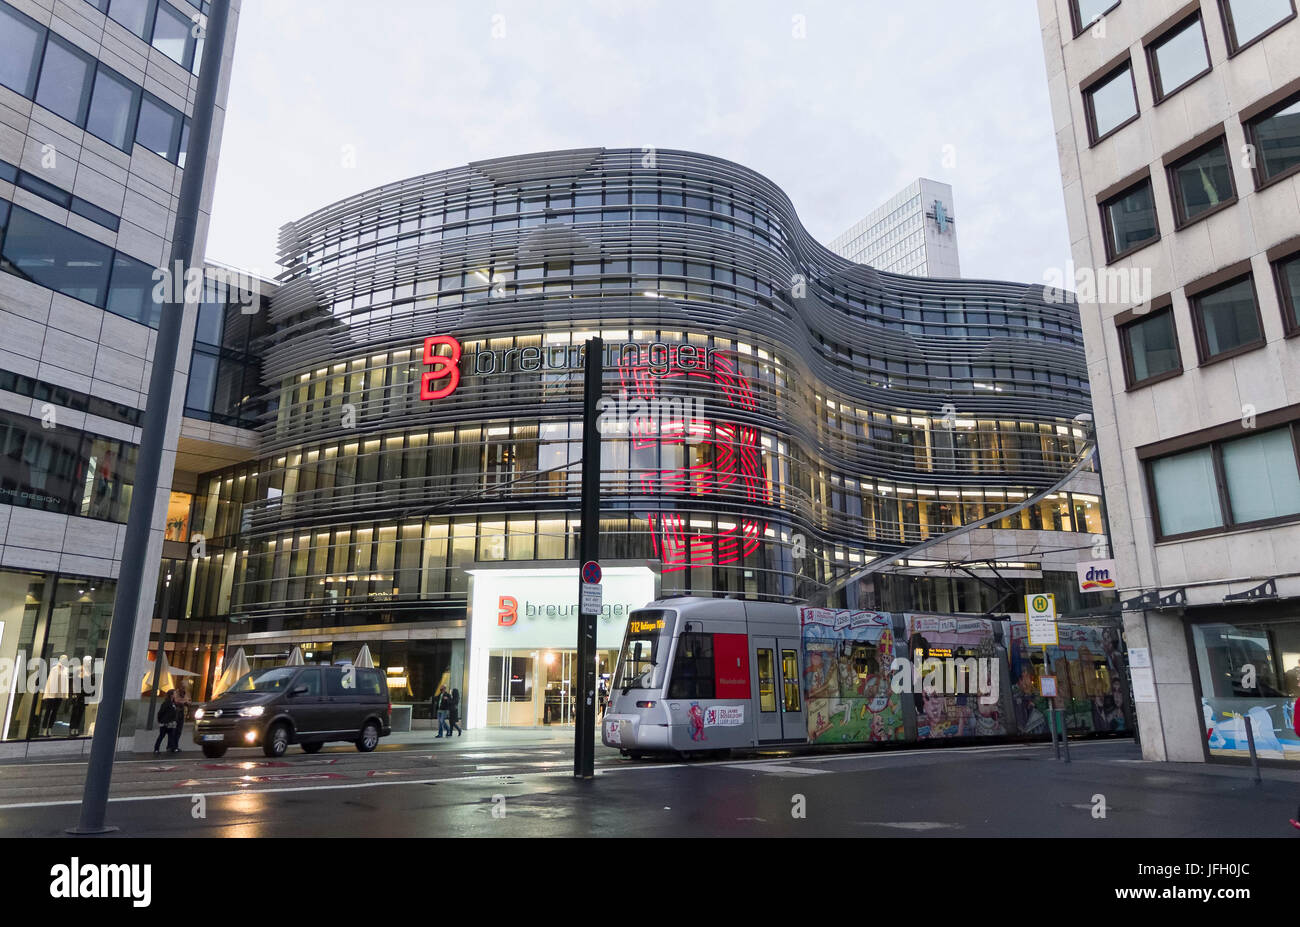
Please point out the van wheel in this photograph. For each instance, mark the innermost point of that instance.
(312, 747)
(214, 751)
(277, 740)
(369, 737)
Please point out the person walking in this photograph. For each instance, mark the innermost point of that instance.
(182, 706)
(453, 713)
(166, 719)
(442, 705)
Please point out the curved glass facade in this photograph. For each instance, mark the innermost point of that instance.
(775, 415)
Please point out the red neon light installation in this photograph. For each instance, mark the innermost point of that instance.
(445, 367)
(732, 465)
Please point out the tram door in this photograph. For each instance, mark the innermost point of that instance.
(794, 725)
(767, 710)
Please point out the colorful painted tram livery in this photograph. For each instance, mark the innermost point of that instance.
(698, 675)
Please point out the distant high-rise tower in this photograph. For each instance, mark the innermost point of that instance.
(914, 233)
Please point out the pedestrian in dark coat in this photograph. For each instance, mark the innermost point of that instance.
(453, 715)
(166, 721)
(442, 706)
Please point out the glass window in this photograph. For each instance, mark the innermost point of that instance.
(131, 293)
(1130, 220)
(202, 381)
(135, 15)
(173, 35)
(1261, 475)
(1186, 495)
(766, 680)
(693, 667)
(50, 255)
(790, 679)
(1288, 282)
(1151, 346)
(1202, 181)
(1179, 57)
(20, 51)
(1249, 19)
(4, 215)
(1276, 136)
(159, 127)
(1087, 12)
(1227, 317)
(1111, 102)
(65, 79)
(112, 108)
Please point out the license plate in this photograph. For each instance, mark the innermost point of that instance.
(213, 738)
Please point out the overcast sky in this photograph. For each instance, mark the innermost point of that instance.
(869, 98)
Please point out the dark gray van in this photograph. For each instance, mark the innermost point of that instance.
(307, 705)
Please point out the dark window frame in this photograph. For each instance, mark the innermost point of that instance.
(1076, 18)
(1109, 232)
(1249, 127)
(1229, 525)
(42, 42)
(1124, 327)
(1230, 30)
(1288, 302)
(1198, 322)
(1181, 221)
(88, 87)
(1090, 113)
(1158, 93)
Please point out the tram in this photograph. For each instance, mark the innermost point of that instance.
(701, 675)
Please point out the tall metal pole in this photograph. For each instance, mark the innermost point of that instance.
(584, 737)
(162, 654)
(135, 549)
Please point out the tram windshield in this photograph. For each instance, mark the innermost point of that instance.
(645, 649)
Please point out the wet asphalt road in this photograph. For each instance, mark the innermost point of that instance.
(527, 790)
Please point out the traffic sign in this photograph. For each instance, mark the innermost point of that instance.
(1040, 612)
(592, 599)
(591, 572)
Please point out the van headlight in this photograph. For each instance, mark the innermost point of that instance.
(253, 712)
(198, 714)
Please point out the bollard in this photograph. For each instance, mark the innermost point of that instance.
(1250, 741)
(1065, 738)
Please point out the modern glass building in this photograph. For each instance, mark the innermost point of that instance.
(775, 417)
(96, 100)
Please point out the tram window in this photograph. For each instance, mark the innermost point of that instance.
(790, 679)
(693, 667)
(766, 680)
(641, 662)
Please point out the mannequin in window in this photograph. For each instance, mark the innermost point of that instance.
(56, 690)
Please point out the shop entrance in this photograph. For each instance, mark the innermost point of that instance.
(532, 688)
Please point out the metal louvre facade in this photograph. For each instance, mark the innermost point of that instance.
(776, 414)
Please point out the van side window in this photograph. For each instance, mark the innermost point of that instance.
(693, 667)
(334, 681)
(369, 682)
(309, 678)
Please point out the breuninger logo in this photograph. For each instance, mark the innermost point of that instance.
(76, 879)
(948, 676)
(52, 678)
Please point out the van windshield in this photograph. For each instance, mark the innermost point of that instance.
(645, 649)
(268, 680)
